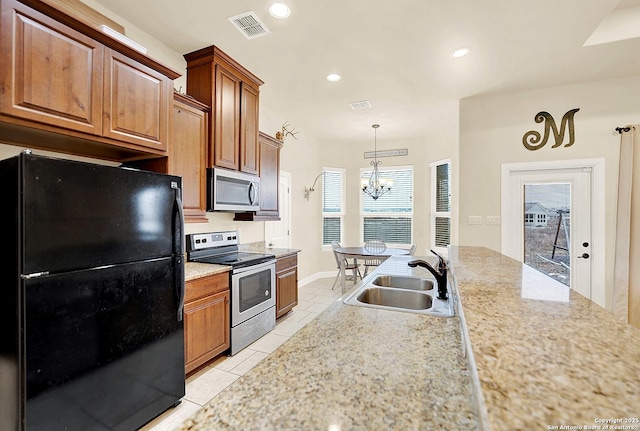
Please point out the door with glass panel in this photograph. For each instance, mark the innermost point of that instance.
(549, 224)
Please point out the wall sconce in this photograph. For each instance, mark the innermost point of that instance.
(307, 191)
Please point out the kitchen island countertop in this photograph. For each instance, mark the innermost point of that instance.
(545, 355)
(541, 357)
(354, 368)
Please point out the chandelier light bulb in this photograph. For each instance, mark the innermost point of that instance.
(376, 186)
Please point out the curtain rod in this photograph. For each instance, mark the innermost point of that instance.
(623, 129)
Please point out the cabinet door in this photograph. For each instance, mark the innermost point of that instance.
(249, 148)
(136, 102)
(206, 329)
(226, 121)
(269, 176)
(286, 284)
(286, 291)
(49, 73)
(187, 158)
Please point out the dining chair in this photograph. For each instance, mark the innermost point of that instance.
(373, 246)
(354, 267)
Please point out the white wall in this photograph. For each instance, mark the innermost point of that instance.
(491, 131)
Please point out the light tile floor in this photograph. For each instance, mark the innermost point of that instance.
(207, 383)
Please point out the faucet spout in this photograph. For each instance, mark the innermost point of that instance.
(440, 273)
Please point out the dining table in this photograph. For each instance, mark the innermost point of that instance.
(365, 253)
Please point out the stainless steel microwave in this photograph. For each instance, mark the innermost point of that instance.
(232, 191)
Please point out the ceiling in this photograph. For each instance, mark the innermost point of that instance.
(395, 54)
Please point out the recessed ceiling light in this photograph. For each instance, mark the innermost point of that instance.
(279, 10)
(333, 77)
(460, 52)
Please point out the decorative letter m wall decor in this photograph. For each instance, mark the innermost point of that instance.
(532, 139)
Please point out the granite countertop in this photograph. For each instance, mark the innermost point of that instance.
(354, 368)
(261, 247)
(539, 357)
(545, 356)
(193, 270)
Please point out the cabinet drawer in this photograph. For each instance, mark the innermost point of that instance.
(204, 286)
(286, 262)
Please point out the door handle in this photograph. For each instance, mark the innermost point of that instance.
(584, 256)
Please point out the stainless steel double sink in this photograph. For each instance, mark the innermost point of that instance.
(401, 293)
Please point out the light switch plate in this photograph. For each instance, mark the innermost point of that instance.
(475, 220)
(493, 220)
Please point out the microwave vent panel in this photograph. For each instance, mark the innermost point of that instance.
(249, 25)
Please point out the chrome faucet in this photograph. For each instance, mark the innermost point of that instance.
(440, 273)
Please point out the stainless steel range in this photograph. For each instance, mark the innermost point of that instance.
(252, 281)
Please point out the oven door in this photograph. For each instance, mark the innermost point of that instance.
(252, 291)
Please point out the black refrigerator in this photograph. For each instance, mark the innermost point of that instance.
(92, 295)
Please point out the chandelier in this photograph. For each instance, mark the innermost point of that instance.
(376, 186)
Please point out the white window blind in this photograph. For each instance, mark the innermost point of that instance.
(332, 205)
(441, 205)
(390, 217)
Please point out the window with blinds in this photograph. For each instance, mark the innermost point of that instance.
(441, 205)
(332, 205)
(390, 217)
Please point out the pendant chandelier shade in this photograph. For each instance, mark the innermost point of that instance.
(376, 186)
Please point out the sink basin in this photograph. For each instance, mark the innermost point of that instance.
(400, 282)
(401, 293)
(395, 298)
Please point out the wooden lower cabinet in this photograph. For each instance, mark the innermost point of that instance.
(206, 319)
(286, 284)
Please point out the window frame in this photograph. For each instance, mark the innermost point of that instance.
(341, 214)
(433, 167)
(409, 215)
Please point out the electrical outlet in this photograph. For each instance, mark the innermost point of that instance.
(475, 220)
(493, 220)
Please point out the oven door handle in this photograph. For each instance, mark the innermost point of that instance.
(256, 267)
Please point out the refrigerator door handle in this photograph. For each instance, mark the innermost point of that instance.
(178, 240)
(179, 275)
(178, 246)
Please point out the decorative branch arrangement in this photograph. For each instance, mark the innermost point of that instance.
(286, 132)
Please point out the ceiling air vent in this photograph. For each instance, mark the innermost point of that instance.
(359, 106)
(249, 25)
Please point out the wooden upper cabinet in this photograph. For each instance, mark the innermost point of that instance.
(233, 92)
(188, 154)
(68, 87)
(226, 131)
(136, 102)
(50, 73)
(269, 169)
(249, 146)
